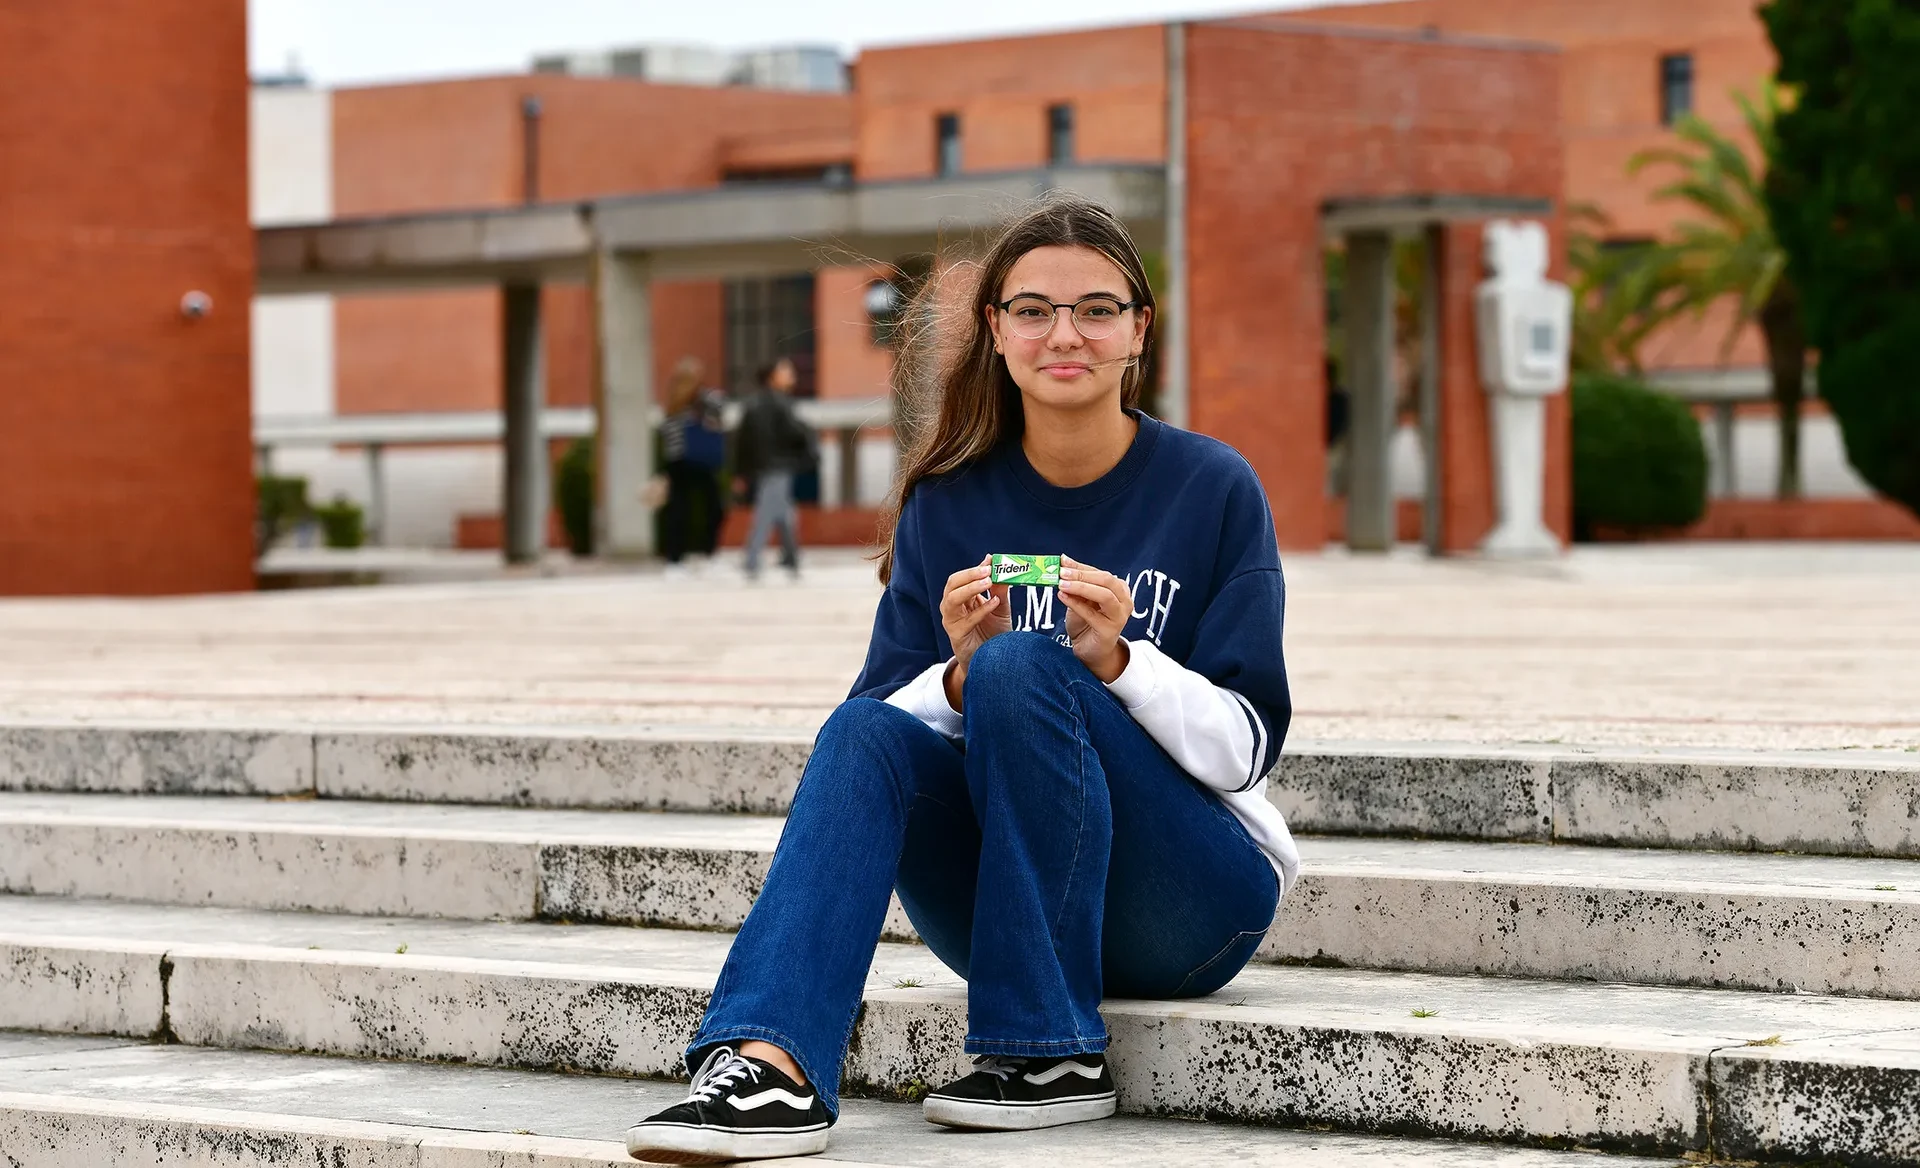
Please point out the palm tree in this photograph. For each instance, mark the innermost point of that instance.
(1729, 252)
(1623, 293)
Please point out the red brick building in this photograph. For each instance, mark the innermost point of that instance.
(124, 452)
(465, 144)
(1279, 119)
(999, 99)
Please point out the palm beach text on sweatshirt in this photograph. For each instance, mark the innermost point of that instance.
(1182, 519)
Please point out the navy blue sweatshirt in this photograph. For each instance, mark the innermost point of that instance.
(1184, 521)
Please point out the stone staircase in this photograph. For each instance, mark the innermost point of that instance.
(1672, 954)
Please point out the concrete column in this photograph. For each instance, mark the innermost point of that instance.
(376, 494)
(1725, 476)
(623, 346)
(849, 466)
(1172, 327)
(1431, 505)
(524, 509)
(1368, 311)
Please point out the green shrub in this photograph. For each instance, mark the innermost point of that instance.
(1638, 459)
(343, 524)
(573, 489)
(280, 504)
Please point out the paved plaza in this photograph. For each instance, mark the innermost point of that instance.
(1732, 646)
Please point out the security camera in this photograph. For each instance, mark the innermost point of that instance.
(195, 305)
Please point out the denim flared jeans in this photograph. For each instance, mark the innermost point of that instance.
(1057, 856)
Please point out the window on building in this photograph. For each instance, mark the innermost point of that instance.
(946, 136)
(1621, 254)
(765, 320)
(1059, 134)
(1676, 87)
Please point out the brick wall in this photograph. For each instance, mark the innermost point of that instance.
(401, 148)
(1610, 101)
(1279, 122)
(124, 448)
(851, 365)
(1114, 78)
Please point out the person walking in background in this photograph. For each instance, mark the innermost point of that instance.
(693, 448)
(774, 446)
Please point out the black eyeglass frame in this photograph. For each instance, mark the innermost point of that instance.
(1124, 305)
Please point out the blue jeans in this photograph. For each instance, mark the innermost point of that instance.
(1059, 857)
(773, 508)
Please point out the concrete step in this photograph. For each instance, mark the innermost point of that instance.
(1837, 802)
(1736, 920)
(1633, 1068)
(81, 1103)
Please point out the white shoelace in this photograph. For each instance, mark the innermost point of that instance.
(723, 1069)
(1000, 1067)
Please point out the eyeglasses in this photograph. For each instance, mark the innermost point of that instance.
(1094, 317)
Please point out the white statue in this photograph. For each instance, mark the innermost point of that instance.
(1525, 334)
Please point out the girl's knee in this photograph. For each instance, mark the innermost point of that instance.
(1012, 664)
(864, 721)
(866, 745)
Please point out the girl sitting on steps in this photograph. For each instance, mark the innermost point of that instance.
(1066, 787)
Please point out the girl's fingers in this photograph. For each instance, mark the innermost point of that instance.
(979, 614)
(1100, 598)
(1089, 608)
(961, 586)
(972, 624)
(960, 608)
(966, 576)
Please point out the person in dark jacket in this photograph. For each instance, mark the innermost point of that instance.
(774, 446)
(693, 446)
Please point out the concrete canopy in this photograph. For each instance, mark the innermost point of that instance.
(736, 231)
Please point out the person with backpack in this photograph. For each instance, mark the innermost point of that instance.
(1060, 769)
(693, 444)
(774, 446)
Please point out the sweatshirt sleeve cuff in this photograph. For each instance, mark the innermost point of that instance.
(1137, 682)
(925, 697)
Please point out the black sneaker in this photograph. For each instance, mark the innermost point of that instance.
(739, 1109)
(1013, 1094)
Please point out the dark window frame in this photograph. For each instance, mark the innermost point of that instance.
(1061, 144)
(1677, 85)
(765, 319)
(947, 144)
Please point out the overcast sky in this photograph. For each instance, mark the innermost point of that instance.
(349, 42)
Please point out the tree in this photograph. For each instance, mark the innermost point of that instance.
(1622, 293)
(1843, 192)
(1729, 253)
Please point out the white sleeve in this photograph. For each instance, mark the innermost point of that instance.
(1212, 732)
(925, 697)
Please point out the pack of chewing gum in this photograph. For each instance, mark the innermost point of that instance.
(1036, 571)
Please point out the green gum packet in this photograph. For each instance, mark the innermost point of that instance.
(1037, 571)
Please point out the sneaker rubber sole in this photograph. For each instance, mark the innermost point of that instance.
(677, 1144)
(971, 1113)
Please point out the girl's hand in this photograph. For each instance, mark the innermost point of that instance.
(1098, 607)
(972, 612)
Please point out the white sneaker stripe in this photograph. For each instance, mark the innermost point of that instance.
(771, 1095)
(1058, 1069)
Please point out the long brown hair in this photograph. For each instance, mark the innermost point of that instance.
(961, 400)
(684, 384)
